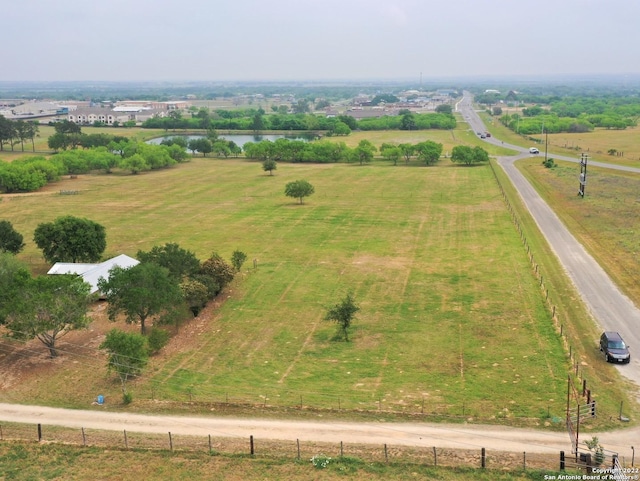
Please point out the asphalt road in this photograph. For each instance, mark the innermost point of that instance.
(612, 310)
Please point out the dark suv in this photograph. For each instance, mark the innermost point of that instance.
(614, 348)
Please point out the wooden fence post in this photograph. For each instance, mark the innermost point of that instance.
(210, 444)
(170, 442)
(39, 432)
(341, 450)
(435, 457)
(126, 442)
(251, 444)
(483, 458)
(84, 439)
(562, 463)
(298, 444)
(386, 455)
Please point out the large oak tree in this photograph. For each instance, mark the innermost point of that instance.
(71, 239)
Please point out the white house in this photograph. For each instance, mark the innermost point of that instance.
(91, 273)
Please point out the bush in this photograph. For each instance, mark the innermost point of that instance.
(127, 398)
(158, 338)
(237, 259)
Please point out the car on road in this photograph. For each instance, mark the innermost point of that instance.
(533, 150)
(482, 136)
(614, 348)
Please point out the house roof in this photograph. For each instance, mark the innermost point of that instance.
(91, 273)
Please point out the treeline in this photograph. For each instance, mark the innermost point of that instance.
(257, 120)
(565, 114)
(14, 132)
(32, 173)
(249, 119)
(409, 121)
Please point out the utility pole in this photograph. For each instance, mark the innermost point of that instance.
(583, 174)
(546, 144)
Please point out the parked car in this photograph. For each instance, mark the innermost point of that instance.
(533, 150)
(614, 348)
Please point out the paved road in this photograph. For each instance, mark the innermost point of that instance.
(609, 306)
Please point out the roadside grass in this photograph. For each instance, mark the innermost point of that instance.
(25, 461)
(452, 320)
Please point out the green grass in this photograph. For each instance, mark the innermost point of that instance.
(450, 309)
(27, 461)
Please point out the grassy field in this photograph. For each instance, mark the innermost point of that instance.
(428, 252)
(450, 309)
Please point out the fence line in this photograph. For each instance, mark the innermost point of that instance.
(573, 357)
(305, 450)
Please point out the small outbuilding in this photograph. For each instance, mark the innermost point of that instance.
(91, 273)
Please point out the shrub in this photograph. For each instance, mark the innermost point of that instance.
(237, 259)
(158, 338)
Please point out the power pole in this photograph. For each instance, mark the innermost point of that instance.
(583, 174)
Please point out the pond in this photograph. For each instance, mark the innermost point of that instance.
(241, 139)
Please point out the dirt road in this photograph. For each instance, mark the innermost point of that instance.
(461, 436)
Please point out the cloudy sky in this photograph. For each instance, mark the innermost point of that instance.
(219, 40)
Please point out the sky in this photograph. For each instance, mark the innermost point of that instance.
(288, 40)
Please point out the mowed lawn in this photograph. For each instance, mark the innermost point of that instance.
(452, 319)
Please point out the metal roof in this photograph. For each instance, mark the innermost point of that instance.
(91, 273)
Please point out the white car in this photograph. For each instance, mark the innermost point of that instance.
(533, 150)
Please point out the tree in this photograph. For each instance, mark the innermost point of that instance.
(71, 239)
(10, 239)
(299, 189)
(464, 154)
(195, 295)
(444, 109)
(218, 272)
(203, 145)
(142, 292)
(340, 128)
(128, 354)
(364, 151)
(429, 151)
(237, 259)
(390, 152)
(408, 121)
(134, 163)
(14, 276)
(47, 308)
(269, 165)
(258, 122)
(178, 261)
(407, 151)
(343, 314)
